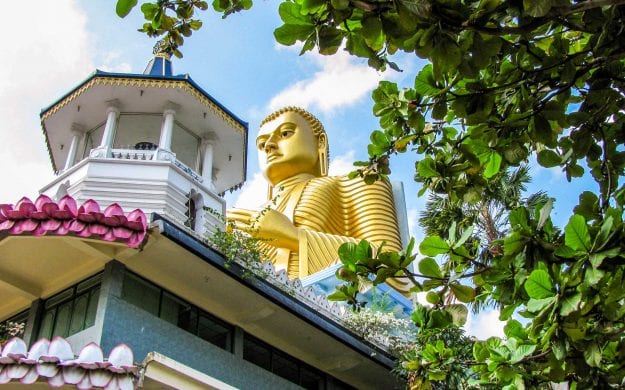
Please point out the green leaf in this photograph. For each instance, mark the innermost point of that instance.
(576, 234)
(514, 243)
(424, 83)
(521, 352)
(545, 212)
(539, 285)
(493, 165)
(123, 7)
(433, 245)
(380, 139)
(347, 254)
(288, 34)
(536, 305)
(458, 313)
(480, 351)
(290, 14)
(432, 297)
(592, 355)
(426, 168)
(570, 304)
(464, 237)
(537, 8)
(429, 267)
(464, 294)
(548, 158)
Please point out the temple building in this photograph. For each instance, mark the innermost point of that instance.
(108, 282)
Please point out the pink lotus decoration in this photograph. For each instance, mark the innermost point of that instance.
(55, 362)
(65, 218)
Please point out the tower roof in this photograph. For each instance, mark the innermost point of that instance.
(148, 92)
(159, 65)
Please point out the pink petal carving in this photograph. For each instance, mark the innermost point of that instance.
(114, 209)
(57, 380)
(109, 236)
(7, 224)
(38, 349)
(90, 355)
(59, 350)
(77, 226)
(17, 371)
(98, 229)
(62, 214)
(13, 350)
(25, 206)
(135, 240)
(30, 377)
(137, 216)
(50, 208)
(90, 206)
(39, 231)
(100, 378)
(4, 208)
(51, 225)
(41, 201)
(73, 375)
(4, 378)
(38, 215)
(26, 225)
(125, 383)
(68, 203)
(121, 356)
(122, 232)
(86, 217)
(47, 370)
(84, 384)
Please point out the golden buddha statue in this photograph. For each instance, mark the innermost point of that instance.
(309, 214)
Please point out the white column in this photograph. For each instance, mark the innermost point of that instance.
(207, 162)
(77, 134)
(112, 114)
(167, 129)
(164, 151)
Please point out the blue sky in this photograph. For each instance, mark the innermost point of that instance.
(236, 60)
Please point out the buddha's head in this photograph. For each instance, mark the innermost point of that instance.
(292, 141)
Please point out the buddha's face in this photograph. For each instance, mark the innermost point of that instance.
(287, 147)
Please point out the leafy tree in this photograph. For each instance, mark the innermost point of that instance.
(508, 81)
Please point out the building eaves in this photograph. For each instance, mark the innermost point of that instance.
(274, 294)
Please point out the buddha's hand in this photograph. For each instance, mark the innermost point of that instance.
(268, 224)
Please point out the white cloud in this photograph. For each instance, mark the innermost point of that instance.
(486, 324)
(342, 164)
(340, 82)
(112, 63)
(51, 55)
(253, 195)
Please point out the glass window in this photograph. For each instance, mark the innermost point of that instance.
(71, 310)
(141, 293)
(285, 366)
(257, 352)
(176, 311)
(214, 332)
(93, 138)
(133, 129)
(186, 146)
(311, 379)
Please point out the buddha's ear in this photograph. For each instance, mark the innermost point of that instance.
(322, 147)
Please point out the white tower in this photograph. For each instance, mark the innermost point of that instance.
(154, 141)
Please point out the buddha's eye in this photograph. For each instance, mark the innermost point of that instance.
(286, 133)
(260, 145)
